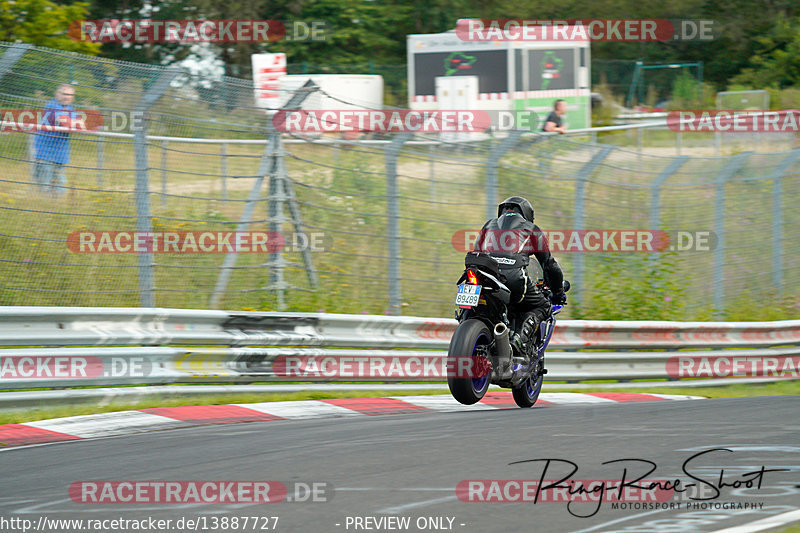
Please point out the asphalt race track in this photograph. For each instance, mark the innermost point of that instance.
(381, 471)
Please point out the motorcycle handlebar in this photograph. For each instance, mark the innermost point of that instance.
(548, 292)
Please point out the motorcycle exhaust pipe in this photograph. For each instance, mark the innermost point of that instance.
(503, 350)
(502, 342)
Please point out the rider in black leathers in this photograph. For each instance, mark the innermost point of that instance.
(511, 239)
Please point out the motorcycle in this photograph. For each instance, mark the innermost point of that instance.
(480, 350)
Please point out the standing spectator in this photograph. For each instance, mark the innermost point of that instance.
(553, 121)
(52, 147)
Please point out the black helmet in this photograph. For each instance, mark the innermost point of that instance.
(522, 205)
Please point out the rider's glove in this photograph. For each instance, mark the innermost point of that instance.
(558, 298)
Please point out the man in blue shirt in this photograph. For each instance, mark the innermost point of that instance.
(52, 147)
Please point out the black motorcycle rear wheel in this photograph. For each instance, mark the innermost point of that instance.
(470, 339)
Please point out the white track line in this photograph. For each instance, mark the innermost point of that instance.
(400, 508)
(107, 424)
(676, 396)
(764, 523)
(572, 398)
(604, 525)
(442, 403)
(300, 409)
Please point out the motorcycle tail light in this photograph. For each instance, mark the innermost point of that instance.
(472, 279)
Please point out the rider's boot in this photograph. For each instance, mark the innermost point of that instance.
(522, 342)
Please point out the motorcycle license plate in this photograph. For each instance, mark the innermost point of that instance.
(468, 295)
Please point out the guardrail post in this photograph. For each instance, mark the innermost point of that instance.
(491, 169)
(777, 218)
(393, 221)
(725, 174)
(143, 217)
(580, 192)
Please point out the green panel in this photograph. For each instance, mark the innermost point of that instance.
(575, 118)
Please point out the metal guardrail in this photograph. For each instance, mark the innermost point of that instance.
(56, 347)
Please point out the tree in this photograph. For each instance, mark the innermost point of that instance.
(154, 53)
(777, 62)
(44, 23)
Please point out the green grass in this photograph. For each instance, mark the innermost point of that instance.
(38, 269)
(780, 388)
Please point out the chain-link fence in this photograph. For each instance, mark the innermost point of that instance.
(367, 226)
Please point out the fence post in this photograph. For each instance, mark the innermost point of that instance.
(164, 145)
(491, 169)
(143, 218)
(223, 148)
(100, 161)
(580, 196)
(266, 168)
(277, 185)
(777, 218)
(724, 175)
(393, 221)
(269, 166)
(655, 199)
(655, 193)
(432, 192)
(12, 54)
(297, 220)
(32, 161)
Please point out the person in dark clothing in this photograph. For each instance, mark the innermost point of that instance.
(511, 239)
(553, 120)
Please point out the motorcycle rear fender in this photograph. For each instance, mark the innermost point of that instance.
(498, 287)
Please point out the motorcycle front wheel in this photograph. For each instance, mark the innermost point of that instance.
(528, 391)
